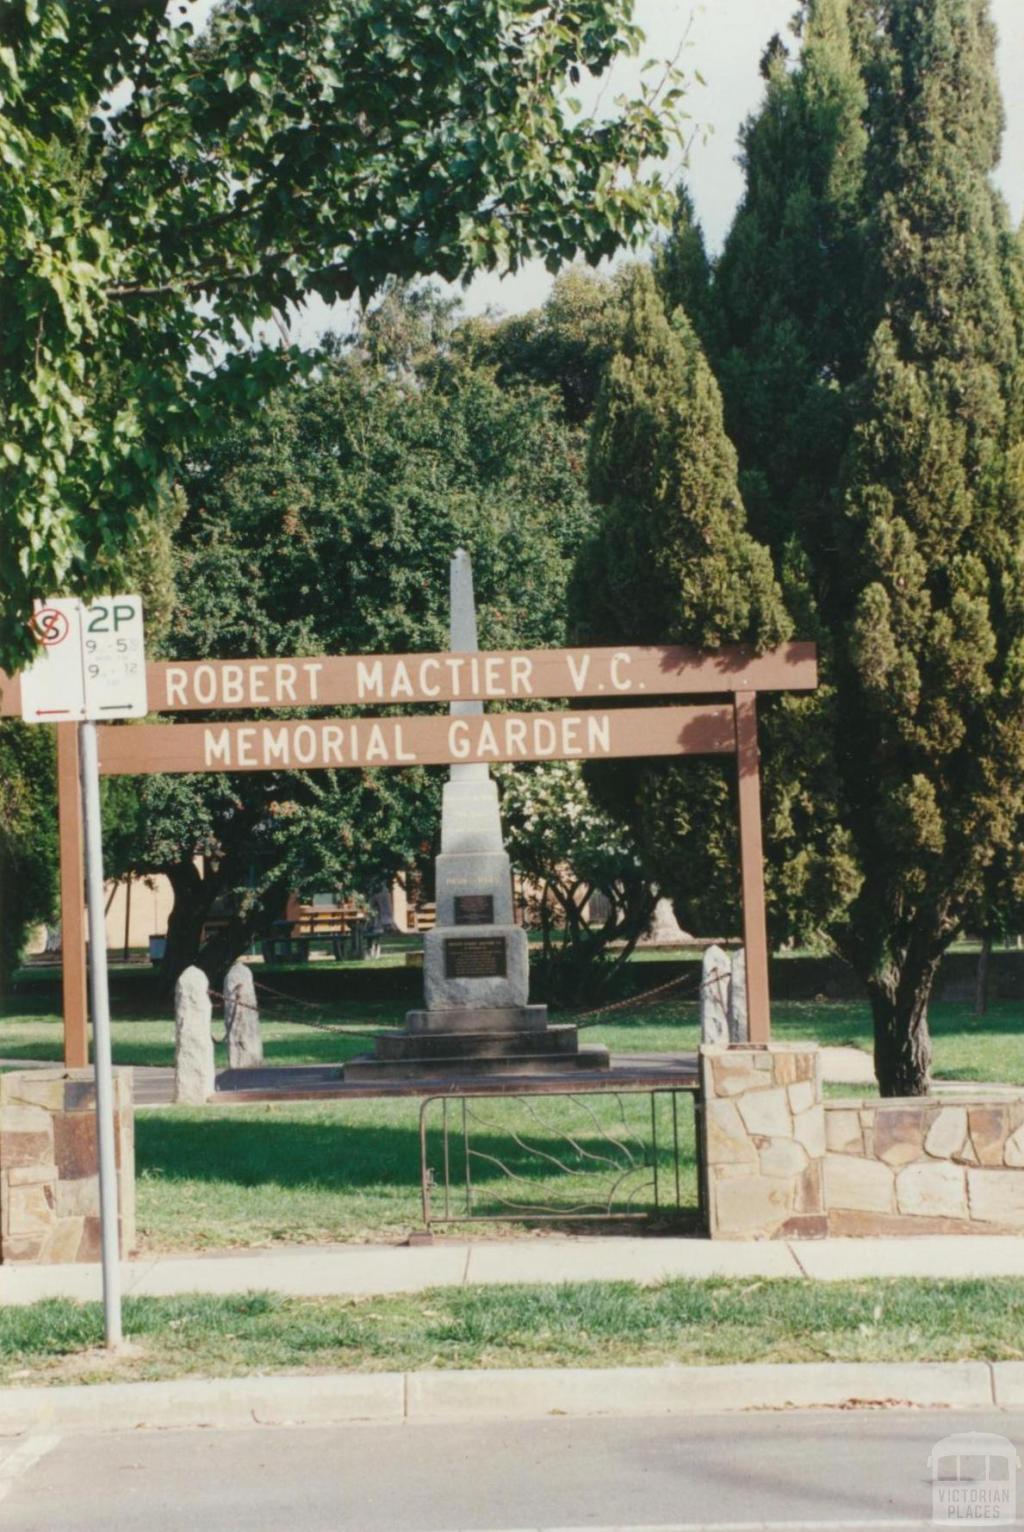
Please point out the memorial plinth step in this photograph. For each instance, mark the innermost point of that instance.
(479, 1018)
(468, 1045)
(445, 1070)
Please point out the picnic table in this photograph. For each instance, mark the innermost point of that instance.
(341, 926)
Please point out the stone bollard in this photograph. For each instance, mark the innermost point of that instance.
(714, 996)
(242, 1018)
(193, 1039)
(739, 1028)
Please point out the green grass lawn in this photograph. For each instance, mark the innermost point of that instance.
(351, 1170)
(343, 1171)
(592, 1324)
(967, 1047)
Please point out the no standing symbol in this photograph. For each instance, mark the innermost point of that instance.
(50, 626)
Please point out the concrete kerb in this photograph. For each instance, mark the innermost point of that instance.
(1008, 1384)
(502, 1395)
(394, 1398)
(229, 1403)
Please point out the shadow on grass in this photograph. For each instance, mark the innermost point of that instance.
(36, 1053)
(250, 1152)
(346, 1157)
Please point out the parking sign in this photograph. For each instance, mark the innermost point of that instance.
(53, 686)
(91, 661)
(114, 658)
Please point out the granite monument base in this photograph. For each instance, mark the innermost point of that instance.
(453, 1042)
(447, 1056)
(458, 1041)
(478, 966)
(479, 1018)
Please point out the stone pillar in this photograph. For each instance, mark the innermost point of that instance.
(476, 966)
(715, 974)
(762, 1141)
(242, 1018)
(193, 1039)
(477, 1017)
(49, 1165)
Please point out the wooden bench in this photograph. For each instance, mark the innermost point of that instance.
(343, 926)
(423, 917)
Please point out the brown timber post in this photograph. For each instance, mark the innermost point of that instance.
(72, 899)
(755, 933)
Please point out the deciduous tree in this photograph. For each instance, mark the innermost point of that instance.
(28, 837)
(570, 849)
(325, 525)
(161, 190)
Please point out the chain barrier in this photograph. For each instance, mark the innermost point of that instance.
(297, 1021)
(582, 1019)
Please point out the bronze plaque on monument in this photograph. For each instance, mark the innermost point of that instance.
(475, 957)
(474, 909)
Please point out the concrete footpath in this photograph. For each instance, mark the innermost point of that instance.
(369, 1270)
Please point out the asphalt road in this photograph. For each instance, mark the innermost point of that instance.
(844, 1469)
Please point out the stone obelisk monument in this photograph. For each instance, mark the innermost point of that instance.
(476, 1016)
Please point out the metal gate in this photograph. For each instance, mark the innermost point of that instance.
(610, 1154)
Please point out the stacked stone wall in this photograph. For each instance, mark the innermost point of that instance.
(925, 1165)
(778, 1162)
(49, 1186)
(763, 1141)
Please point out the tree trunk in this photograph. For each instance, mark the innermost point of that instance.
(981, 975)
(192, 901)
(227, 944)
(903, 1047)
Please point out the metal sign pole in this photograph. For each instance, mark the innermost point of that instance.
(100, 997)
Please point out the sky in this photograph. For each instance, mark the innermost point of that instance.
(722, 40)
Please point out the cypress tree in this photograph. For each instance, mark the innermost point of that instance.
(671, 561)
(788, 330)
(930, 668)
(682, 269)
(674, 536)
(870, 346)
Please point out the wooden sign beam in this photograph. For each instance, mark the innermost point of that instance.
(755, 926)
(317, 743)
(384, 680)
